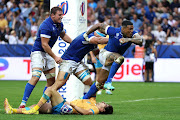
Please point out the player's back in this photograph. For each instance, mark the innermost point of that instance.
(78, 48)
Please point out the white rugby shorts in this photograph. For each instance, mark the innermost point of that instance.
(71, 66)
(42, 60)
(102, 58)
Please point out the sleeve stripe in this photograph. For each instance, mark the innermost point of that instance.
(46, 36)
(106, 29)
(92, 111)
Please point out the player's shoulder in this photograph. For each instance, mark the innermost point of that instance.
(46, 24)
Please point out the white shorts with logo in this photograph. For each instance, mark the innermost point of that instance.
(71, 66)
(102, 58)
(42, 60)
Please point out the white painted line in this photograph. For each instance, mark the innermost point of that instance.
(151, 99)
(146, 99)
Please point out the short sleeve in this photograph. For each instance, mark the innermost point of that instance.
(45, 31)
(110, 30)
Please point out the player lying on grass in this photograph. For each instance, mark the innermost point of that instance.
(60, 106)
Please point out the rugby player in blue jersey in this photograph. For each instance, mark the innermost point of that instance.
(42, 57)
(111, 56)
(71, 63)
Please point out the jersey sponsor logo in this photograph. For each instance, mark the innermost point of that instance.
(82, 8)
(3, 66)
(64, 7)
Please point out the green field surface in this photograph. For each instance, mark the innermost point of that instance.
(131, 101)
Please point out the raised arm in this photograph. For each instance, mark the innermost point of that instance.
(100, 26)
(98, 40)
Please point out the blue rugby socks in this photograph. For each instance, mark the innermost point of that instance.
(91, 92)
(115, 66)
(28, 89)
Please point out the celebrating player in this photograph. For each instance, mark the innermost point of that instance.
(42, 57)
(111, 56)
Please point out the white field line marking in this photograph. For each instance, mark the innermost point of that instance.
(148, 99)
(151, 99)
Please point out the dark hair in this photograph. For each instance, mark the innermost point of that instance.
(125, 23)
(148, 43)
(108, 110)
(55, 9)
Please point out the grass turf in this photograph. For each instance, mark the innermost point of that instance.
(131, 101)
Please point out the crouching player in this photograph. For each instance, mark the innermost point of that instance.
(60, 106)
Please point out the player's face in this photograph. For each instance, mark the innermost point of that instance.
(103, 106)
(129, 31)
(58, 17)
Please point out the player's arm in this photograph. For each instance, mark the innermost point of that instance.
(100, 26)
(47, 49)
(136, 39)
(98, 40)
(65, 37)
(81, 110)
(93, 58)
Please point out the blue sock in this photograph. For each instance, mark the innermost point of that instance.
(28, 89)
(91, 92)
(44, 89)
(113, 71)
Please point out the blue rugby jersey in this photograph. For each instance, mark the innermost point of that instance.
(47, 29)
(78, 48)
(113, 44)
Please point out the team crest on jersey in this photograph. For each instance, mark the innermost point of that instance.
(117, 36)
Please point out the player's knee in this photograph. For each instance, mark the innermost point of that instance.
(50, 75)
(99, 85)
(120, 60)
(36, 73)
(88, 81)
(85, 76)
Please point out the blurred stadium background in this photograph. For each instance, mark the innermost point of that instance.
(157, 19)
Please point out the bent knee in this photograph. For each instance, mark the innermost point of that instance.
(88, 82)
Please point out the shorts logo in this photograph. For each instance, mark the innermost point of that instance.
(64, 7)
(82, 8)
(3, 66)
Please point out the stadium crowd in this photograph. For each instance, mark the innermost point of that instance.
(20, 19)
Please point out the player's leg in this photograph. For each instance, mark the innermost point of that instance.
(100, 81)
(10, 110)
(50, 76)
(36, 73)
(37, 68)
(117, 60)
(98, 67)
(97, 85)
(83, 74)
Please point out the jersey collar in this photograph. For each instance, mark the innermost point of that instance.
(58, 25)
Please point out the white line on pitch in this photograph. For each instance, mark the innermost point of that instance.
(147, 99)
(150, 99)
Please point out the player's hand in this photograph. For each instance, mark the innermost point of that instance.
(86, 37)
(58, 60)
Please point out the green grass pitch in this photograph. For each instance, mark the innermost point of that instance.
(131, 101)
